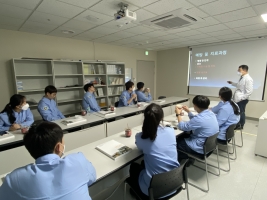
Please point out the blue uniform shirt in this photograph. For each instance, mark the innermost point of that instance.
(160, 155)
(23, 118)
(90, 101)
(202, 125)
(48, 110)
(51, 177)
(124, 98)
(141, 96)
(225, 116)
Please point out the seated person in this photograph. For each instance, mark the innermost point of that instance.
(47, 106)
(89, 102)
(51, 177)
(128, 96)
(202, 125)
(140, 92)
(16, 114)
(158, 145)
(227, 112)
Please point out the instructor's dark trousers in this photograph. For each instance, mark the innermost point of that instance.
(242, 106)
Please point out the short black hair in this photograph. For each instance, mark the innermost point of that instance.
(128, 85)
(153, 114)
(226, 94)
(201, 101)
(42, 139)
(140, 85)
(50, 89)
(86, 86)
(244, 67)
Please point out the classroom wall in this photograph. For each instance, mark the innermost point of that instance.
(172, 73)
(14, 44)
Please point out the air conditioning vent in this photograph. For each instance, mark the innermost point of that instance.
(175, 19)
(159, 19)
(189, 17)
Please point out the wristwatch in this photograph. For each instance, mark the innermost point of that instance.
(177, 115)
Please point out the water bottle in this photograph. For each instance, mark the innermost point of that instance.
(88, 111)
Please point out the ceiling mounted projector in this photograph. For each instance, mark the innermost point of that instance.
(124, 16)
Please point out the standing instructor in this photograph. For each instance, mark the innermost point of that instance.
(244, 88)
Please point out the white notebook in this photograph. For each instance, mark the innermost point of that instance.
(73, 120)
(6, 136)
(113, 149)
(102, 112)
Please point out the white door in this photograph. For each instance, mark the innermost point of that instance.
(145, 72)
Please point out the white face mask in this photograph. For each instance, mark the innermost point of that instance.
(133, 88)
(239, 74)
(63, 151)
(25, 107)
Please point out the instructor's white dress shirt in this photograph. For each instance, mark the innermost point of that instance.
(244, 88)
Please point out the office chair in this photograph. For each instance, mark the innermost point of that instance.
(241, 131)
(209, 146)
(116, 104)
(230, 135)
(162, 184)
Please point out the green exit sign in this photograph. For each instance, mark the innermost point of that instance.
(146, 53)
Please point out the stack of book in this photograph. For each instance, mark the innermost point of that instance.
(111, 69)
(19, 85)
(73, 120)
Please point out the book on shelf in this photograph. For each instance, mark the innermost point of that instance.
(5, 135)
(111, 69)
(116, 90)
(86, 69)
(113, 149)
(100, 69)
(91, 69)
(100, 92)
(19, 85)
(73, 120)
(109, 91)
(117, 81)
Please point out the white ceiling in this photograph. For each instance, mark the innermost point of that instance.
(92, 20)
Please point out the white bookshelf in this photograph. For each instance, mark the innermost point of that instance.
(31, 76)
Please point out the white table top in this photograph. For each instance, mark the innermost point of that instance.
(99, 159)
(19, 136)
(121, 111)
